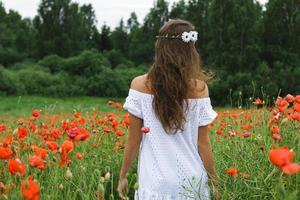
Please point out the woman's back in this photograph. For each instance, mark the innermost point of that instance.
(169, 164)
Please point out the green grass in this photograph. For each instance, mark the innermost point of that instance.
(265, 180)
(23, 105)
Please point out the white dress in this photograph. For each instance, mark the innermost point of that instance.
(169, 166)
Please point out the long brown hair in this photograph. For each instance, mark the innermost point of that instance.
(176, 63)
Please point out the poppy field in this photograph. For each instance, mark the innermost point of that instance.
(47, 152)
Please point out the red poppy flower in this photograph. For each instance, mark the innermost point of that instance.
(118, 105)
(79, 156)
(20, 121)
(247, 127)
(73, 132)
(67, 146)
(5, 153)
(297, 99)
(275, 129)
(30, 189)
(16, 166)
(291, 168)
(258, 101)
(296, 107)
(281, 156)
(8, 141)
(145, 129)
(126, 120)
(64, 159)
(77, 115)
(276, 137)
(246, 134)
(82, 135)
(41, 152)
(36, 113)
(295, 116)
(22, 132)
(219, 132)
(2, 128)
(56, 133)
(281, 103)
(37, 162)
(119, 132)
(290, 98)
(232, 171)
(53, 146)
(231, 133)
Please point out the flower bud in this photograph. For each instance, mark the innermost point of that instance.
(68, 174)
(107, 176)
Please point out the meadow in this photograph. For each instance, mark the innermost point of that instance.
(72, 148)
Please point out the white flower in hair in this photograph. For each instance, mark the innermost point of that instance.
(194, 36)
(186, 37)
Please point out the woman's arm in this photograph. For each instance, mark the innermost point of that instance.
(131, 148)
(132, 144)
(205, 152)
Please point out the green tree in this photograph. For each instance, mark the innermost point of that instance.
(143, 42)
(119, 37)
(178, 10)
(281, 34)
(64, 28)
(197, 12)
(234, 34)
(105, 42)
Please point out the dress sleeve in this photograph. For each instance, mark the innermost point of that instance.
(206, 113)
(133, 104)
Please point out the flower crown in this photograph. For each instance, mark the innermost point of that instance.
(185, 36)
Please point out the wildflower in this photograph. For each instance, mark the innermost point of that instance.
(186, 36)
(118, 105)
(53, 146)
(22, 132)
(296, 107)
(2, 128)
(247, 127)
(16, 166)
(258, 101)
(275, 129)
(41, 152)
(290, 98)
(231, 133)
(79, 156)
(246, 134)
(232, 171)
(297, 99)
(282, 158)
(30, 189)
(119, 132)
(219, 132)
(36, 113)
(67, 146)
(145, 129)
(37, 162)
(5, 153)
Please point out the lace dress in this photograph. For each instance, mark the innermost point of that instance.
(169, 166)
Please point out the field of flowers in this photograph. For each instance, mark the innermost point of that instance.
(77, 153)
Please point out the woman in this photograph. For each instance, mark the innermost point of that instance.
(169, 112)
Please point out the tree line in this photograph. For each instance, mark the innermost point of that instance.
(254, 51)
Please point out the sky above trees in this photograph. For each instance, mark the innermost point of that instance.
(109, 12)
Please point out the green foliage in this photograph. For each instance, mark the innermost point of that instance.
(9, 83)
(252, 50)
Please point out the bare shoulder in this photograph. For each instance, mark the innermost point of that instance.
(139, 83)
(200, 89)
